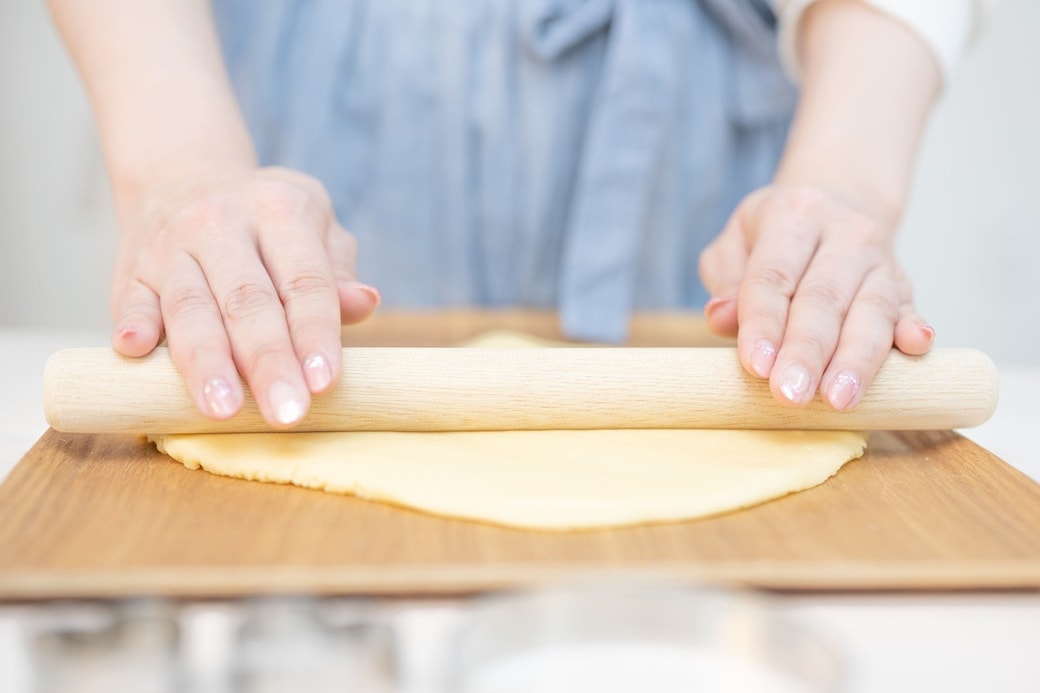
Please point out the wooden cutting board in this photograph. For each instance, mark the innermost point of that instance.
(108, 516)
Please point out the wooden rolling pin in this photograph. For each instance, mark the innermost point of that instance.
(442, 389)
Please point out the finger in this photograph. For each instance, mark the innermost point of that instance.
(818, 310)
(721, 314)
(865, 342)
(722, 265)
(256, 325)
(197, 341)
(784, 249)
(137, 318)
(357, 300)
(913, 336)
(299, 267)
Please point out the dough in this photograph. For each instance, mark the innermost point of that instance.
(546, 480)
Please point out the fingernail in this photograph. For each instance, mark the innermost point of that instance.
(715, 303)
(287, 404)
(795, 384)
(928, 331)
(843, 390)
(763, 354)
(372, 291)
(220, 398)
(317, 371)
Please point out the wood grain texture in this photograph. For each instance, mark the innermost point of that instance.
(103, 516)
(451, 389)
(107, 516)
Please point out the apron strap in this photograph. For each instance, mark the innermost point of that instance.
(621, 153)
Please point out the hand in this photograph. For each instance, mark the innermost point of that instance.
(811, 288)
(245, 271)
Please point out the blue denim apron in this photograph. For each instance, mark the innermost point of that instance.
(574, 154)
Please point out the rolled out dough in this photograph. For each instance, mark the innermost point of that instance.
(546, 480)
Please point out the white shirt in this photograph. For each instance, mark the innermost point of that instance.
(946, 26)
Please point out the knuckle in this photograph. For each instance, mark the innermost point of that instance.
(810, 343)
(864, 231)
(906, 294)
(826, 298)
(306, 284)
(349, 241)
(208, 212)
(315, 189)
(263, 358)
(245, 299)
(801, 201)
(707, 262)
(281, 199)
(155, 255)
(341, 243)
(139, 310)
(882, 304)
(289, 203)
(773, 279)
(185, 302)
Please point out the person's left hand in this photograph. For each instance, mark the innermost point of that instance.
(811, 288)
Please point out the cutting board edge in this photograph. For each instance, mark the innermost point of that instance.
(458, 580)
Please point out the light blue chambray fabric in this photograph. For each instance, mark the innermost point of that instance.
(575, 154)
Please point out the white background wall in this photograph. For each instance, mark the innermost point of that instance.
(971, 239)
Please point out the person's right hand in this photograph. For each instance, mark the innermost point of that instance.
(246, 272)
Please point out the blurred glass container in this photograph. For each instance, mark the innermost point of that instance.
(641, 636)
(99, 647)
(304, 644)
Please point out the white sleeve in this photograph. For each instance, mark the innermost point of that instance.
(947, 26)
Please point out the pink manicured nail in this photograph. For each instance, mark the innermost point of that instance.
(220, 398)
(763, 354)
(796, 383)
(317, 371)
(371, 291)
(843, 390)
(286, 401)
(713, 304)
(928, 331)
(127, 331)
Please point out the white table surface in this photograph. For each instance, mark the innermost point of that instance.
(890, 642)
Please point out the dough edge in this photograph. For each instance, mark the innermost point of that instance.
(183, 448)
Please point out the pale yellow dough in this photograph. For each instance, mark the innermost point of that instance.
(547, 480)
